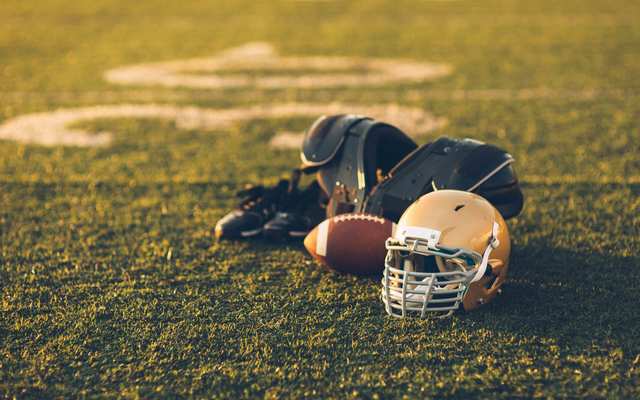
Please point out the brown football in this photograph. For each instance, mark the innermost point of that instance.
(351, 243)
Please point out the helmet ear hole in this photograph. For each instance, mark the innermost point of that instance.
(496, 266)
(493, 272)
(490, 282)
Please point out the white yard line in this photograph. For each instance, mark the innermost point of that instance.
(177, 95)
(55, 127)
(262, 56)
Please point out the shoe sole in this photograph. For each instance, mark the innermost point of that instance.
(297, 234)
(246, 234)
(278, 234)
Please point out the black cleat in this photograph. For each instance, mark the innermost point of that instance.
(299, 213)
(259, 205)
(287, 226)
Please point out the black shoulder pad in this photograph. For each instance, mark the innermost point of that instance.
(471, 163)
(323, 140)
(465, 164)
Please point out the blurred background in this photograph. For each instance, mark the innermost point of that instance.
(112, 285)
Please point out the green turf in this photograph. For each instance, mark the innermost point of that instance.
(112, 286)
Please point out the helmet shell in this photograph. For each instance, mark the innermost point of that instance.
(465, 221)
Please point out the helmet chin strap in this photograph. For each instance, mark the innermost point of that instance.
(493, 243)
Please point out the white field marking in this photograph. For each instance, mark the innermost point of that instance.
(411, 95)
(54, 128)
(262, 56)
(413, 121)
(287, 140)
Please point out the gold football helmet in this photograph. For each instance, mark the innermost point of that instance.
(449, 248)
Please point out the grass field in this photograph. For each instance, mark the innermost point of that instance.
(111, 284)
